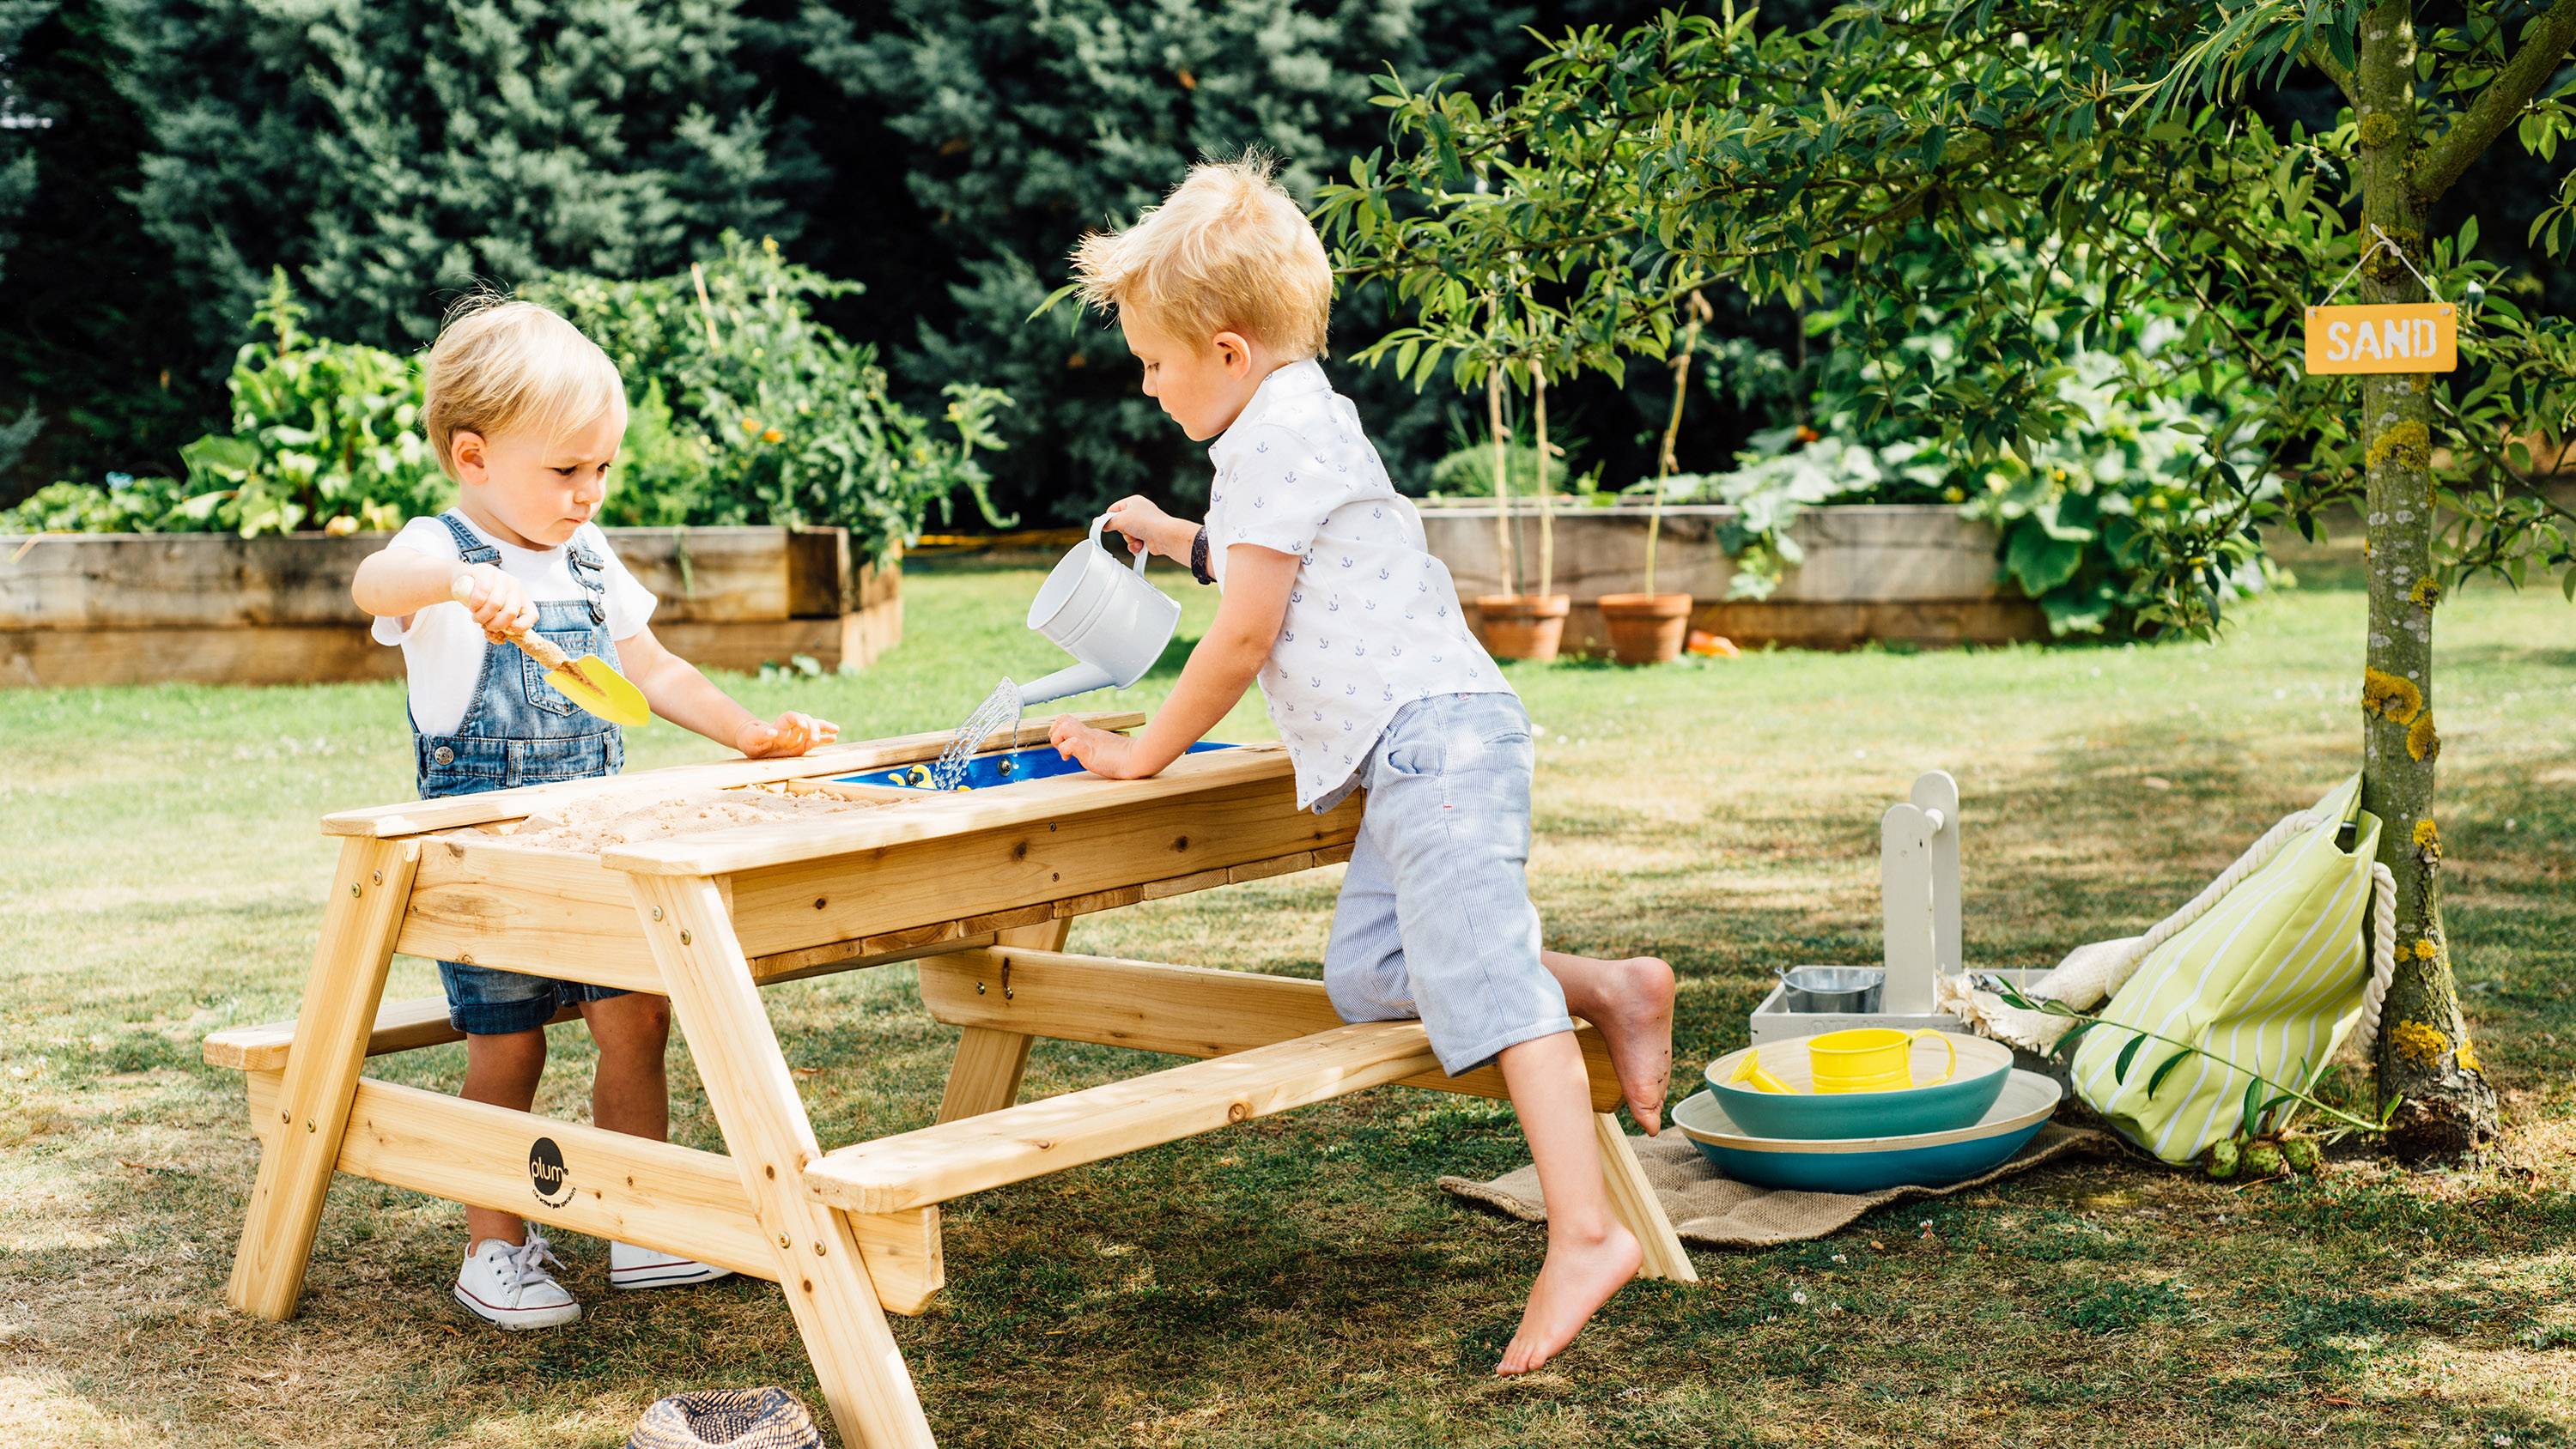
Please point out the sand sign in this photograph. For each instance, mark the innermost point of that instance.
(2390, 337)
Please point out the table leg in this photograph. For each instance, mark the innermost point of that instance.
(1633, 1199)
(298, 1148)
(986, 1075)
(855, 1357)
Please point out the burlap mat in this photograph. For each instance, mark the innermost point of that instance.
(1719, 1212)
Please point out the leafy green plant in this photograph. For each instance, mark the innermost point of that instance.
(773, 417)
(324, 435)
(2082, 512)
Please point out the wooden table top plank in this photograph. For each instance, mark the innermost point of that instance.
(415, 817)
(1058, 798)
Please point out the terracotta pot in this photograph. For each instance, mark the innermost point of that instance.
(1645, 628)
(1523, 626)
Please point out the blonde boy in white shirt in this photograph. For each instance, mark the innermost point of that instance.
(1355, 633)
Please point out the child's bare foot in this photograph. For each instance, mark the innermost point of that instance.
(1576, 1279)
(1635, 1015)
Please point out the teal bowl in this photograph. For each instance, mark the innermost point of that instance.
(1869, 1164)
(1816, 1116)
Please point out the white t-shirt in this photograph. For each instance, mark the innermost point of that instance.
(1373, 619)
(442, 645)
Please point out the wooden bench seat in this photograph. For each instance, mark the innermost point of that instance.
(401, 1026)
(952, 1159)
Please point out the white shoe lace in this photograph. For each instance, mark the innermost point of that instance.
(527, 1263)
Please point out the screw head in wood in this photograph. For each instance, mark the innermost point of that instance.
(979, 988)
(657, 913)
(356, 890)
(684, 935)
(782, 1240)
(818, 1250)
(309, 1127)
(377, 876)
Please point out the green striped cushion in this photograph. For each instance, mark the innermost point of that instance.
(2271, 978)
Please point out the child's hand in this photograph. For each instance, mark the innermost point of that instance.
(499, 603)
(788, 735)
(1149, 528)
(1102, 753)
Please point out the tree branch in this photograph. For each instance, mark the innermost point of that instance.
(2334, 70)
(2545, 43)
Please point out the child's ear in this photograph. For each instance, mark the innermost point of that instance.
(466, 451)
(1234, 354)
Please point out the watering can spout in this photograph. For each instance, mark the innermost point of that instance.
(1072, 679)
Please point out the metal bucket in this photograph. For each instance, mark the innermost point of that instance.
(1851, 990)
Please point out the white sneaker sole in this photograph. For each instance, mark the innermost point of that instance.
(665, 1275)
(516, 1318)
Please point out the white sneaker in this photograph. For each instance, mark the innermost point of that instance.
(508, 1286)
(632, 1267)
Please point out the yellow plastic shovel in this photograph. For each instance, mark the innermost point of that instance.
(588, 681)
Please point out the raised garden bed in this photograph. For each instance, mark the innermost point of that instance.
(215, 609)
(1893, 573)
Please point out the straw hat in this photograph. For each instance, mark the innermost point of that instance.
(769, 1418)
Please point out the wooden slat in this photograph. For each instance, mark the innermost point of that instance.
(401, 1026)
(1060, 798)
(985, 1077)
(653, 1194)
(416, 817)
(821, 1264)
(953, 1159)
(189, 581)
(1113, 846)
(1190, 1011)
(1633, 1199)
(488, 901)
(341, 992)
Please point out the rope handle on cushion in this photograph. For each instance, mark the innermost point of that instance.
(2383, 951)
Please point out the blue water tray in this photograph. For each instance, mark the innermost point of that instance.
(984, 772)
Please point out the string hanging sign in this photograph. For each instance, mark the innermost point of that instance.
(2392, 337)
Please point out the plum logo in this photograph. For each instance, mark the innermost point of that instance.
(546, 1173)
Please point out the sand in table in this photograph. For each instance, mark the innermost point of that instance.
(612, 820)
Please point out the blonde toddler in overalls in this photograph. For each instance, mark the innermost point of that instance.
(526, 415)
(1354, 632)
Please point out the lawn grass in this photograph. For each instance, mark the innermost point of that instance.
(1299, 1281)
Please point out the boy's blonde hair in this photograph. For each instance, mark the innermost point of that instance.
(506, 366)
(1227, 251)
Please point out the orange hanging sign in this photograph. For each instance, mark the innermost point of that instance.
(2403, 337)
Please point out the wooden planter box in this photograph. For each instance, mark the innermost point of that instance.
(1895, 573)
(126, 608)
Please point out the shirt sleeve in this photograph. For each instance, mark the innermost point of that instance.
(421, 535)
(1279, 493)
(630, 604)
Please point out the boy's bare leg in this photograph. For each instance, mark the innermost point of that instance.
(630, 1092)
(1631, 1003)
(503, 1071)
(1589, 1254)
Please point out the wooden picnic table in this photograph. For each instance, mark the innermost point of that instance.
(979, 888)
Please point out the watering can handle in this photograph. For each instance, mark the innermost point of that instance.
(1096, 524)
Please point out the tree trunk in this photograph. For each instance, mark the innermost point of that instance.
(2425, 1054)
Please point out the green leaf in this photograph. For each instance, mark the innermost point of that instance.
(2254, 1105)
(2128, 1054)
(2165, 1068)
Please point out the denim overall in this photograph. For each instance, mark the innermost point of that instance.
(519, 730)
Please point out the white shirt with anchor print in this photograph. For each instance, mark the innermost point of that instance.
(1374, 621)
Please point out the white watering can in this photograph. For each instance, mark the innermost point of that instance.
(1104, 615)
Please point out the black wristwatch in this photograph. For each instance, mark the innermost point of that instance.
(1198, 557)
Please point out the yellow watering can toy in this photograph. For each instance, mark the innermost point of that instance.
(1750, 1070)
